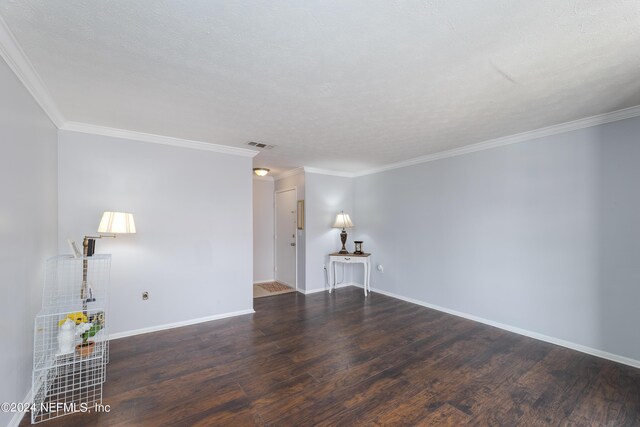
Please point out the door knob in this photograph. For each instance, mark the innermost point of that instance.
(293, 244)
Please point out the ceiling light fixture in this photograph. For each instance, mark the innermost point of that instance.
(261, 171)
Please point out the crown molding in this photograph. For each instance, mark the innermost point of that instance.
(290, 172)
(156, 139)
(319, 171)
(19, 63)
(587, 122)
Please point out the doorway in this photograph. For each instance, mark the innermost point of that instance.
(285, 237)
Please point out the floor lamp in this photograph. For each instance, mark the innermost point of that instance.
(111, 224)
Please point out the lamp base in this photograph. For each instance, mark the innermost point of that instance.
(343, 239)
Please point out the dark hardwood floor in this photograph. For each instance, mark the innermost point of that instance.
(341, 359)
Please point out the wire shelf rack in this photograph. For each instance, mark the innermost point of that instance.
(69, 363)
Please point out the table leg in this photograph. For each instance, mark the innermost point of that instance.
(330, 275)
(364, 274)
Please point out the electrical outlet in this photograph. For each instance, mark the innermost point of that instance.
(145, 296)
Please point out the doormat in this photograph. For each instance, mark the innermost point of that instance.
(270, 288)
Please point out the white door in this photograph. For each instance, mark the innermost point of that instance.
(286, 205)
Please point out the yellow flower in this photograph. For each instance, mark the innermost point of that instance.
(77, 317)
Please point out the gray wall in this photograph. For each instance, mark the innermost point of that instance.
(263, 230)
(326, 196)
(28, 223)
(297, 181)
(193, 209)
(542, 235)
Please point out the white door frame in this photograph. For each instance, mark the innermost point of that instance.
(275, 252)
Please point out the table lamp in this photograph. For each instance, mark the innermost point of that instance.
(343, 221)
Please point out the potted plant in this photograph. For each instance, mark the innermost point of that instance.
(86, 327)
(89, 330)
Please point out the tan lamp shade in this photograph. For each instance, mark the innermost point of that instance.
(343, 221)
(117, 223)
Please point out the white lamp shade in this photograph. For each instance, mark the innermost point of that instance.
(117, 223)
(343, 221)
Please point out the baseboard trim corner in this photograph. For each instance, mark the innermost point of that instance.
(312, 291)
(18, 416)
(535, 335)
(326, 288)
(163, 327)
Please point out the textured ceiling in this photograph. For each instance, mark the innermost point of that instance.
(344, 85)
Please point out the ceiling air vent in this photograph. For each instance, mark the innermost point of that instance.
(260, 145)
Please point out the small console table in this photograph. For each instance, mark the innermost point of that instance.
(364, 259)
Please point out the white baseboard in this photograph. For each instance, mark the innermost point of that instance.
(326, 288)
(568, 344)
(178, 324)
(18, 416)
